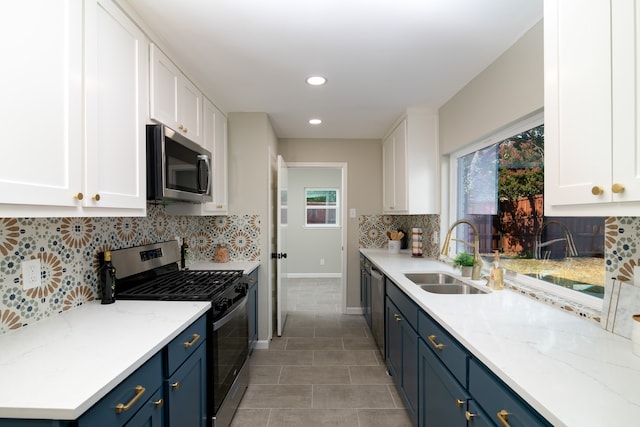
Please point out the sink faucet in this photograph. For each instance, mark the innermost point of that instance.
(476, 273)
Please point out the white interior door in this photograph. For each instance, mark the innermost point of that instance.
(281, 254)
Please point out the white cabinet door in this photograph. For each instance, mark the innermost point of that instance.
(189, 110)
(116, 55)
(401, 203)
(175, 101)
(394, 160)
(410, 163)
(592, 145)
(164, 89)
(577, 102)
(626, 99)
(215, 137)
(41, 102)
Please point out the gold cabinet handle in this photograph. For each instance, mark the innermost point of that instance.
(121, 407)
(79, 196)
(459, 403)
(503, 416)
(218, 206)
(194, 340)
(596, 190)
(96, 197)
(397, 317)
(252, 280)
(180, 127)
(186, 130)
(617, 188)
(468, 415)
(175, 385)
(432, 340)
(158, 403)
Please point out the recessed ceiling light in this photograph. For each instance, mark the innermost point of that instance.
(315, 121)
(316, 80)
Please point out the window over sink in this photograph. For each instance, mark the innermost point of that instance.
(499, 186)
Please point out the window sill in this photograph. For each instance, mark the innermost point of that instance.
(581, 305)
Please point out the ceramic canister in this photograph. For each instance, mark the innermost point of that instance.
(416, 241)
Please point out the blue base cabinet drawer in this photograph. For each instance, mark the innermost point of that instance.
(445, 347)
(405, 304)
(132, 394)
(185, 344)
(499, 401)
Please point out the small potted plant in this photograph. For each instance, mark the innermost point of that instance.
(464, 260)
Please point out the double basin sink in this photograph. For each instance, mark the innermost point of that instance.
(443, 283)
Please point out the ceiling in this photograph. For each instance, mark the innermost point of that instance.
(379, 56)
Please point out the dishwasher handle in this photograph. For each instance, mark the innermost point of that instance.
(376, 274)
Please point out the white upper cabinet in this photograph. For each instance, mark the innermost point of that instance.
(75, 144)
(175, 101)
(116, 58)
(592, 150)
(410, 165)
(41, 105)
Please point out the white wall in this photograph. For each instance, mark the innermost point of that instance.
(511, 88)
(251, 142)
(364, 187)
(307, 246)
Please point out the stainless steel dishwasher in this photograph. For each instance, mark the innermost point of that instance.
(377, 308)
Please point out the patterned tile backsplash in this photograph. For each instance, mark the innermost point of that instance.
(373, 230)
(68, 250)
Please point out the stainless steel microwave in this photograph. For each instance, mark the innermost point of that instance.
(178, 170)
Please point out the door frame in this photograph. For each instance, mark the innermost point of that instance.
(343, 166)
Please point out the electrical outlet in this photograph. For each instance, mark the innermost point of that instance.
(321, 261)
(434, 237)
(352, 213)
(31, 273)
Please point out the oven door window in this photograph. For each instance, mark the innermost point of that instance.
(230, 351)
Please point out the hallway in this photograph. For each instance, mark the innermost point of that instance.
(324, 371)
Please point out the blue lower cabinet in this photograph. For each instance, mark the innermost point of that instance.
(477, 417)
(123, 402)
(502, 404)
(402, 356)
(443, 401)
(151, 414)
(185, 392)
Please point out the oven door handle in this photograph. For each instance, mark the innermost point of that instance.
(229, 316)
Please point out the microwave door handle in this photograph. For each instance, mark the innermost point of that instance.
(203, 158)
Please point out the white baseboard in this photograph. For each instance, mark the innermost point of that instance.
(262, 345)
(354, 310)
(314, 275)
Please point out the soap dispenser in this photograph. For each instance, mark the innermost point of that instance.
(497, 273)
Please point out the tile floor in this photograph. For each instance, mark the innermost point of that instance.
(324, 371)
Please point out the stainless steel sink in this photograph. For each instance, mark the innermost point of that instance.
(431, 278)
(453, 288)
(443, 283)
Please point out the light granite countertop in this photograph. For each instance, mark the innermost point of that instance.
(573, 372)
(60, 367)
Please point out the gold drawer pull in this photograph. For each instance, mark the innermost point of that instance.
(397, 317)
(194, 340)
(79, 196)
(617, 188)
(503, 416)
(597, 190)
(432, 339)
(96, 197)
(121, 407)
(175, 385)
(468, 415)
(459, 403)
(158, 403)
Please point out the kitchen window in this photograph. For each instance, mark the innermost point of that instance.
(499, 186)
(321, 207)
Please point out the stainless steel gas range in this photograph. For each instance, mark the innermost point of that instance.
(152, 272)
